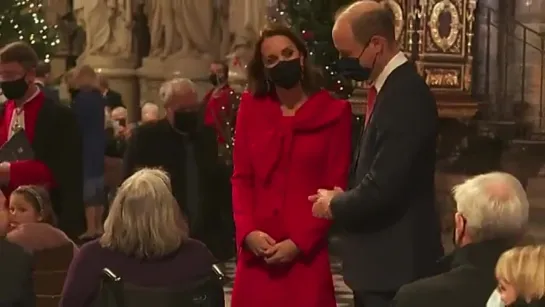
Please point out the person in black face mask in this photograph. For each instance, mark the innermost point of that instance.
(53, 132)
(491, 217)
(292, 138)
(388, 194)
(219, 111)
(185, 148)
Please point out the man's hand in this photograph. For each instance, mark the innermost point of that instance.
(259, 242)
(283, 252)
(322, 201)
(4, 173)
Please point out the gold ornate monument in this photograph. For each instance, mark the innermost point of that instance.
(437, 36)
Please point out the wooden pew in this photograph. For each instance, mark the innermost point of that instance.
(50, 268)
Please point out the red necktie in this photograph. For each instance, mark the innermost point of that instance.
(371, 97)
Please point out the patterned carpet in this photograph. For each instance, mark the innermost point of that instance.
(342, 292)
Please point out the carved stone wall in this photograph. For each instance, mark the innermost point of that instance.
(531, 13)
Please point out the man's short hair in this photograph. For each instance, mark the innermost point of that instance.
(19, 52)
(379, 22)
(224, 66)
(174, 87)
(494, 205)
(43, 69)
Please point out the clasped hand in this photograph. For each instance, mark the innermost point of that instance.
(263, 245)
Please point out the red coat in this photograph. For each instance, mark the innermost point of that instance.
(218, 108)
(278, 162)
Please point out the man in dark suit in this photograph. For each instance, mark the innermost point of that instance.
(52, 131)
(113, 98)
(392, 233)
(183, 146)
(43, 80)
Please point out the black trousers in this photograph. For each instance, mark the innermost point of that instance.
(373, 299)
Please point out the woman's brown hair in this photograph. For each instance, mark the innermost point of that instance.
(259, 84)
(39, 198)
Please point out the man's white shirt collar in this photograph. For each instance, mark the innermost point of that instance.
(398, 60)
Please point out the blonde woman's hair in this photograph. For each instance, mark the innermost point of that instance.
(524, 269)
(145, 220)
(85, 76)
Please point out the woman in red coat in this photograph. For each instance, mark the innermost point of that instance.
(291, 139)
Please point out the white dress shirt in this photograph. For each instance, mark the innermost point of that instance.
(398, 60)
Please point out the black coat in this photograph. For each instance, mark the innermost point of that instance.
(157, 145)
(391, 228)
(58, 144)
(16, 289)
(469, 283)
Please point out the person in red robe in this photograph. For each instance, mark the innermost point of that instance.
(52, 131)
(291, 138)
(218, 112)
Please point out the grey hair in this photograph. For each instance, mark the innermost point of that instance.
(494, 205)
(379, 22)
(145, 220)
(175, 87)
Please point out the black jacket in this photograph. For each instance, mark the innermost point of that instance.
(392, 232)
(16, 289)
(64, 157)
(157, 145)
(469, 283)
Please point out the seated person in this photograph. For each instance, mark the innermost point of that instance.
(145, 242)
(492, 215)
(32, 220)
(521, 277)
(15, 270)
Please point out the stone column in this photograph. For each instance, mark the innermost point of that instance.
(531, 13)
(109, 45)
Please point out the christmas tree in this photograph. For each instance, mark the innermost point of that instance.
(23, 20)
(314, 19)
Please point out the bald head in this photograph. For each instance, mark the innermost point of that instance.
(150, 112)
(365, 19)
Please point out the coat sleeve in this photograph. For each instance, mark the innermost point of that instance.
(132, 152)
(65, 161)
(408, 127)
(243, 177)
(338, 165)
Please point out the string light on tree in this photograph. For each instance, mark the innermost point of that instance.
(23, 20)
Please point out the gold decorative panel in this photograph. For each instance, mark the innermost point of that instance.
(445, 30)
(399, 10)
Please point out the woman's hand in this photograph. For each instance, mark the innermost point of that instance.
(283, 252)
(259, 242)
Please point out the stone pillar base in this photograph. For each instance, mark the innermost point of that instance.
(121, 75)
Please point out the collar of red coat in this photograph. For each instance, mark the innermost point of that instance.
(320, 109)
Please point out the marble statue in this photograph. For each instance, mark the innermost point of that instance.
(181, 28)
(108, 26)
(246, 20)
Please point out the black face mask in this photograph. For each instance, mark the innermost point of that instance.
(216, 80)
(351, 68)
(186, 121)
(15, 89)
(286, 74)
(73, 92)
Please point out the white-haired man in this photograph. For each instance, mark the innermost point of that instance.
(183, 146)
(149, 112)
(491, 217)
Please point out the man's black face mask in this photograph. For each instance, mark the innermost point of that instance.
(186, 121)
